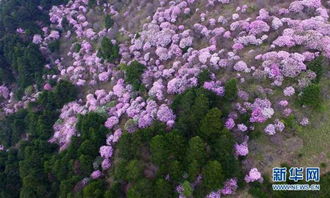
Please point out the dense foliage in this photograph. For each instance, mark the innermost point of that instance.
(311, 96)
(133, 74)
(20, 60)
(188, 151)
(108, 21)
(317, 66)
(231, 90)
(163, 123)
(27, 132)
(199, 145)
(76, 162)
(108, 51)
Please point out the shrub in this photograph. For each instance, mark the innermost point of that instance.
(108, 21)
(77, 47)
(162, 188)
(134, 170)
(212, 176)
(231, 90)
(188, 190)
(211, 125)
(316, 66)
(203, 77)
(108, 51)
(54, 46)
(133, 74)
(311, 96)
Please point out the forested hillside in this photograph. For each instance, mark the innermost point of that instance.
(160, 98)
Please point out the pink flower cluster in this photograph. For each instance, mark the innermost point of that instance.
(283, 64)
(165, 114)
(47, 87)
(65, 127)
(157, 90)
(304, 121)
(111, 122)
(37, 39)
(4, 92)
(96, 174)
(270, 129)
(20, 30)
(261, 110)
(241, 66)
(230, 123)
(253, 175)
(230, 186)
(242, 127)
(106, 151)
(289, 91)
(298, 6)
(241, 149)
(215, 86)
(258, 26)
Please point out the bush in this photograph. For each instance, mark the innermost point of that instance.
(54, 46)
(133, 74)
(212, 176)
(158, 149)
(211, 125)
(95, 189)
(203, 77)
(65, 92)
(134, 170)
(77, 47)
(162, 189)
(316, 66)
(311, 96)
(257, 192)
(141, 189)
(108, 21)
(289, 121)
(120, 169)
(91, 3)
(108, 51)
(196, 150)
(188, 190)
(231, 90)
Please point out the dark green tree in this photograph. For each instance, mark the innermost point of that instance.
(133, 74)
(196, 150)
(108, 21)
(212, 176)
(311, 96)
(175, 170)
(211, 125)
(316, 66)
(141, 189)
(194, 168)
(163, 189)
(120, 170)
(203, 77)
(95, 189)
(158, 149)
(134, 170)
(108, 51)
(231, 90)
(187, 189)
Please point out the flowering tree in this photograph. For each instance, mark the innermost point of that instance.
(253, 175)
